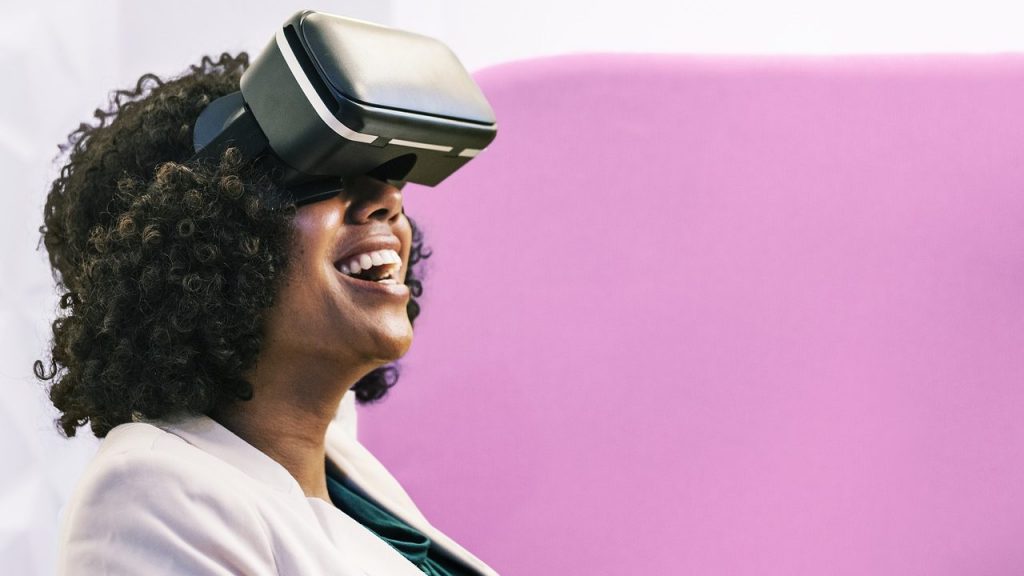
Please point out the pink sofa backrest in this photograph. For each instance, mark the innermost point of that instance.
(727, 315)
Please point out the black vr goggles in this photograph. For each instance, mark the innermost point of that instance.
(332, 98)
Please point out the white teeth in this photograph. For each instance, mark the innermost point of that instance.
(362, 262)
(365, 261)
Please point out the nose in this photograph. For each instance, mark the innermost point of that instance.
(373, 200)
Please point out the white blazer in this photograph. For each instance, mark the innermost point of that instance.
(190, 497)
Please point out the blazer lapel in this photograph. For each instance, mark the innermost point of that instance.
(374, 557)
(370, 476)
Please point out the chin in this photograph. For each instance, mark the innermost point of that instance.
(394, 343)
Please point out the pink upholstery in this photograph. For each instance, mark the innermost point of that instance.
(726, 315)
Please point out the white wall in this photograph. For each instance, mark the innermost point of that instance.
(59, 60)
(486, 31)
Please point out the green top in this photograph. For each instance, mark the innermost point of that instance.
(408, 541)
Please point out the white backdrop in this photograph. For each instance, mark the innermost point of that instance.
(59, 60)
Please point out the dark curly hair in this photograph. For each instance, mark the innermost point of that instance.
(165, 267)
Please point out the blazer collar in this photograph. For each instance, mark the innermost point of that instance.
(350, 457)
(213, 438)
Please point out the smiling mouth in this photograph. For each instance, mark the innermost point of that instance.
(378, 267)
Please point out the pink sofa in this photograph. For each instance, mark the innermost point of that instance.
(729, 316)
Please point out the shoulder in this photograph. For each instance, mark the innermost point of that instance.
(151, 503)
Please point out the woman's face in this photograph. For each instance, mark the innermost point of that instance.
(322, 311)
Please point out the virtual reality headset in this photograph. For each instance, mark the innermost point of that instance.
(331, 98)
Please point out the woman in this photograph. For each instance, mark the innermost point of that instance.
(210, 335)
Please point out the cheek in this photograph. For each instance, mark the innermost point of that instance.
(307, 278)
(404, 234)
(311, 239)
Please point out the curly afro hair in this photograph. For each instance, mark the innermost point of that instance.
(166, 268)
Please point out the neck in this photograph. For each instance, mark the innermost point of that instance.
(288, 415)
